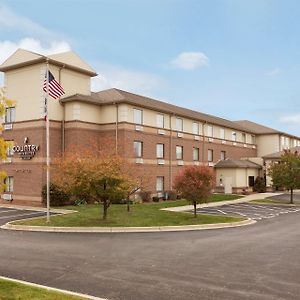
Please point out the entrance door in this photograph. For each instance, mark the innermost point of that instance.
(251, 181)
(228, 185)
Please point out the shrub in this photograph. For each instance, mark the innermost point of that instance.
(58, 197)
(155, 199)
(259, 185)
(145, 196)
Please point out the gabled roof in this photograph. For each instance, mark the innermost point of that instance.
(277, 155)
(240, 164)
(261, 129)
(69, 60)
(114, 95)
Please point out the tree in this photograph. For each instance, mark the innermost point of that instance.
(4, 102)
(259, 185)
(93, 176)
(286, 172)
(195, 183)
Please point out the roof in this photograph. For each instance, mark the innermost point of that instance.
(278, 154)
(241, 164)
(261, 129)
(69, 59)
(112, 96)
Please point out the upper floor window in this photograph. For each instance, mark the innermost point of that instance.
(244, 137)
(179, 124)
(253, 139)
(223, 155)
(159, 150)
(222, 133)
(9, 151)
(138, 148)
(233, 136)
(210, 155)
(195, 128)
(196, 154)
(209, 130)
(10, 114)
(160, 122)
(9, 184)
(179, 152)
(137, 116)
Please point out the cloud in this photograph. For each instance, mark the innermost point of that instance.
(11, 20)
(190, 61)
(273, 72)
(8, 47)
(293, 119)
(111, 76)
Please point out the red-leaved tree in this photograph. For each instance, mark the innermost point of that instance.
(195, 184)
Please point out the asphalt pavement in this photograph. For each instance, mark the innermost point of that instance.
(259, 261)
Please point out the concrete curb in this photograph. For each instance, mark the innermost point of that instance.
(85, 296)
(41, 209)
(10, 226)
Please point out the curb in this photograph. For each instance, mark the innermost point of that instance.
(41, 209)
(9, 226)
(85, 296)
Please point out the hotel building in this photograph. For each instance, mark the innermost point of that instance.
(157, 137)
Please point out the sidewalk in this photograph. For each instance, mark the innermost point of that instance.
(248, 198)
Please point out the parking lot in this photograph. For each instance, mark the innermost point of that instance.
(11, 214)
(249, 210)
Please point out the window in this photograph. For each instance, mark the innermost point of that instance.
(160, 121)
(209, 130)
(195, 128)
(222, 133)
(210, 155)
(251, 181)
(179, 152)
(196, 154)
(159, 150)
(10, 114)
(223, 155)
(233, 136)
(137, 116)
(253, 139)
(179, 124)
(9, 184)
(244, 137)
(9, 151)
(295, 143)
(138, 148)
(159, 183)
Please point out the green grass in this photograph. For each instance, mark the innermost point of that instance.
(10, 290)
(141, 215)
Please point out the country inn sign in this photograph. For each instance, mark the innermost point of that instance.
(26, 151)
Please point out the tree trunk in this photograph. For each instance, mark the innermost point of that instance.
(195, 209)
(105, 207)
(292, 197)
(128, 204)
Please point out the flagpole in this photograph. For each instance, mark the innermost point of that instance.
(47, 143)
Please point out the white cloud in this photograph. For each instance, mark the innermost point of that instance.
(190, 60)
(8, 47)
(293, 119)
(111, 76)
(11, 20)
(273, 72)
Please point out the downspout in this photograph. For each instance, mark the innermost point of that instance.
(63, 118)
(203, 143)
(170, 154)
(117, 122)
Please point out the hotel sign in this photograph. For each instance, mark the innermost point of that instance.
(26, 151)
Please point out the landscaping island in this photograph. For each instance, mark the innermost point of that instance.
(10, 290)
(140, 215)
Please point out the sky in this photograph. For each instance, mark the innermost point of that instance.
(235, 59)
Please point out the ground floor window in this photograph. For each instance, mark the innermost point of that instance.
(223, 155)
(196, 154)
(210, 155)
(159, 183)
(9, 184)
(251, 181)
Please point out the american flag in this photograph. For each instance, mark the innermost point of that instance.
(54, 88)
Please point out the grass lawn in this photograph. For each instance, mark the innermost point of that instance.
(141, 215)
(10, 290)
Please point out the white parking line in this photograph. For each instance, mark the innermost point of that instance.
(221, 211)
